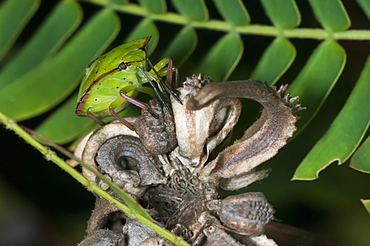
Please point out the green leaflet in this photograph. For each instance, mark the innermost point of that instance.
(49, 83)
(144, 29)
(45, 42)
(154, 6)
(365, 6)
(366, 204)
(276, 59)
(342, 138)
(233, 11)
(216, 64)
(14, 15)
(182, 46)
(283, 13)
(361, 159)
(118, 1)
(194, 10)
(64, 125)
(317, 78)
(331, 14)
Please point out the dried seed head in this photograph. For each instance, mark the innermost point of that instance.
(184, 196)
(263, 139)
(156, 133)
(87, 149)
(194, 83)
(126, 160)
(247, 213)
(199, 132)
(218, 237)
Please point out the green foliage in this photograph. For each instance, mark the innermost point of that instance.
(361, 159)
(346, 132)
(43, 72)
(366, 204)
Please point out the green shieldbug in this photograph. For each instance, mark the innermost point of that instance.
(114, 79)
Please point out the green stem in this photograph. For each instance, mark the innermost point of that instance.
(51, 156)
(219, 25)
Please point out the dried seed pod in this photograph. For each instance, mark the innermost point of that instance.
(87, 149)
(246, 213)
(156, 241)
(123, 156)
(179, 186)
(105, 216)
(157, 133)
(199, 132)
(218, 237)
(264, 138)
(136, 233)
(103, 237)
(241, 181)
(118, 153)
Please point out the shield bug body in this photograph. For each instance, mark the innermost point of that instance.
(114, 79)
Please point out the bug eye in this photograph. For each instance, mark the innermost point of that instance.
(122, 66)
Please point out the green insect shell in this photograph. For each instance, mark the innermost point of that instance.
(120, 70)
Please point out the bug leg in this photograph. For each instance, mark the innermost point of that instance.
(170, 68)
(174, 92)
(133, 101)
(96, 119)
(138, 104)
(121, 119)
(176, 80)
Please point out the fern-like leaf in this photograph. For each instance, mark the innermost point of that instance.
(215, 38)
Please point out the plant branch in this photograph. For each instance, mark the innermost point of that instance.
(51, 156)
(254, 29)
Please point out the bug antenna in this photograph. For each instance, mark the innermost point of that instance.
(49, 142)
(163, 85)
(157, 92)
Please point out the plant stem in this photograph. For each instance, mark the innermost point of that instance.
(254, 29)
(51, 156)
